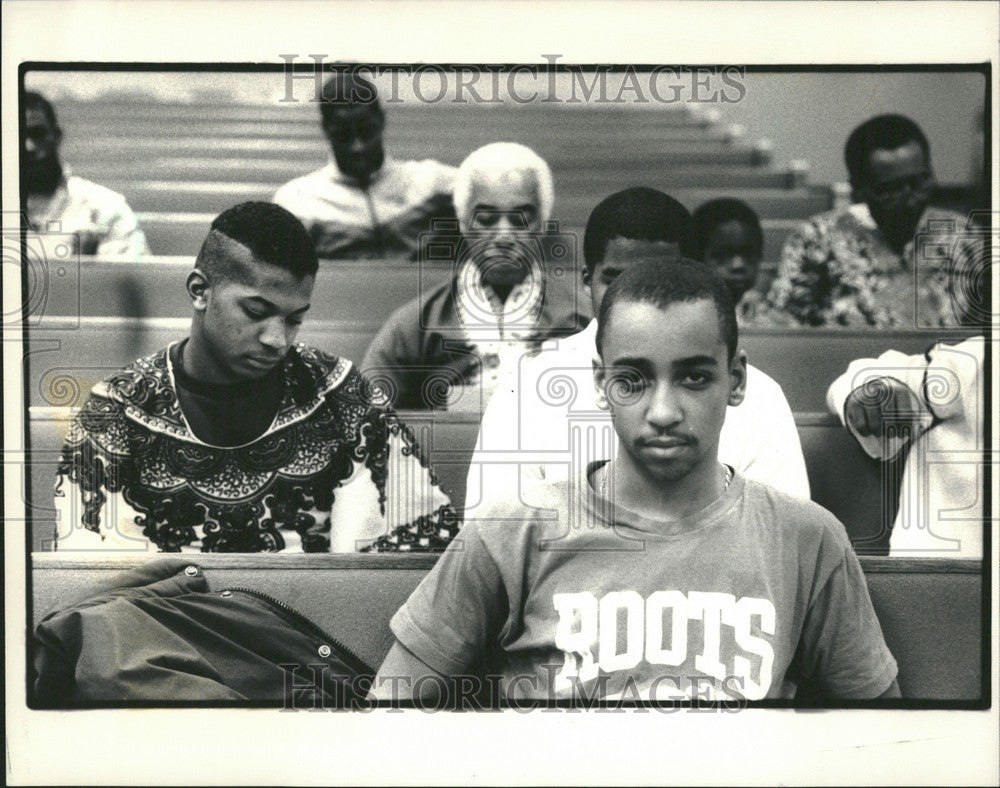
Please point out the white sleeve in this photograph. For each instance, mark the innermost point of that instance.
(495, 465)
(116, 532)
(124, 237)
(778, 460)
(391, 498)
(908, 370)
(953, 385)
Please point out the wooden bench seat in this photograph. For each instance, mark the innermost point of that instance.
(803, 361)
(573, 208)
(858, 490)
(929, 609)
(181, 233)
(400, 113)
(277, 172)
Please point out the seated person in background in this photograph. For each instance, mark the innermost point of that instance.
(450, 345)
(237, 440)
(726, 234)
(935, 402)
(364, 204)
(545, 421)
(885, 260)
(766, 598)
(55, 200)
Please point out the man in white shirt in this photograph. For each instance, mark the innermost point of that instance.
(56, 201)
(365, 204)
(546, 421)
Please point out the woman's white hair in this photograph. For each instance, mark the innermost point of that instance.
(501, 157)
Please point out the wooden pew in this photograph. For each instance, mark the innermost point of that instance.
(573, 208)
(401, 113)
(466, 129)
(857, 489)
(66, 356)
(803, 361)
(172, 234)
(347, 292)
(277, 172)
(929, 609)
(446, 146)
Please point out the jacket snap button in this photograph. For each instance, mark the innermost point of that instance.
(325, 651)
(227, 593)
(191, 571)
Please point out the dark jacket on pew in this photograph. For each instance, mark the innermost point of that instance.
(157, 633)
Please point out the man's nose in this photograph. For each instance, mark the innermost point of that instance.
(737, 264)
(277, 335)
(507, 228)
(664, 408)
(30, 146)
(357, 145)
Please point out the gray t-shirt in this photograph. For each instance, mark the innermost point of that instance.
(747, 598)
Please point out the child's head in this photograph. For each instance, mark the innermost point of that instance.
(726, 234)
(669, 364)
(629, 227)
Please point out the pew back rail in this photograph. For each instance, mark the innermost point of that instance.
(929, 609)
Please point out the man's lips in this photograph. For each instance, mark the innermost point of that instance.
(664, 443)
(264, 361)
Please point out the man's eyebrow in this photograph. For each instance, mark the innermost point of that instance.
(637, 362)
(479, 206)
(640, 362)
(274, 307)
(696, 361)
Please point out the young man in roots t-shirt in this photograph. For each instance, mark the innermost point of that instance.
(668, 575)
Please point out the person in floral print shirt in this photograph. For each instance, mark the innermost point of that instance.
(888, 260)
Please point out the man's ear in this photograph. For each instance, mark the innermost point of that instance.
(738, 377)
(197, 288)
(586, 277)
(599, 381)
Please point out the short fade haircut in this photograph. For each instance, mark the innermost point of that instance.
(662, 283)
(718, 212)
(272, 234)
(636, 214)
(502, 157)
(345, 89)
(33, 100)
(883, 132)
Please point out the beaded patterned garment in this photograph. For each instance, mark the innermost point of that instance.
(131, 458)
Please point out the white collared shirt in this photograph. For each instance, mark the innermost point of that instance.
(498, 330)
